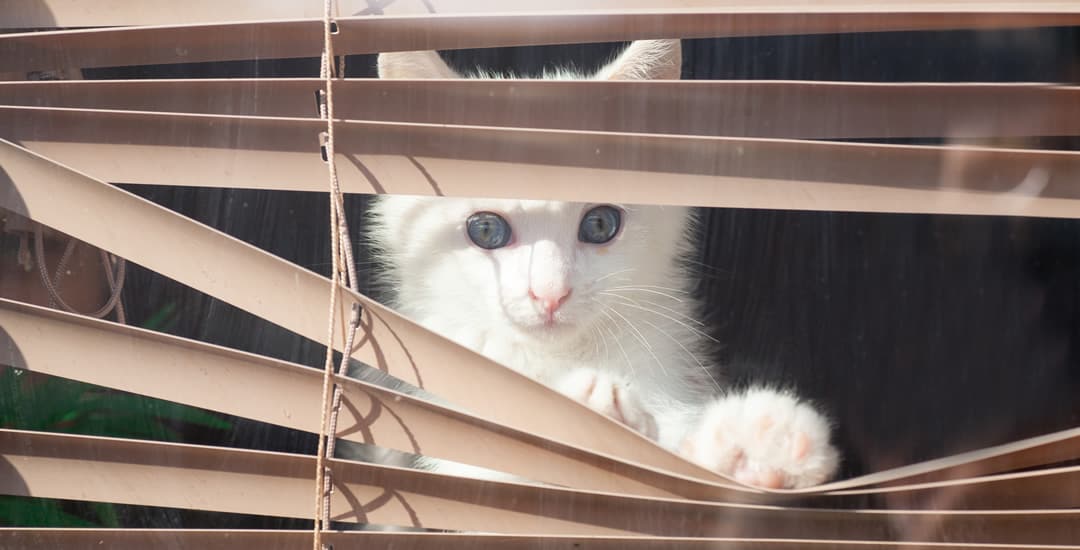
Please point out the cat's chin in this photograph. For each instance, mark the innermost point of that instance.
(546, 331)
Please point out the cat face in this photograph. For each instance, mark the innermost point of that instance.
(536, 269)
(532, 269)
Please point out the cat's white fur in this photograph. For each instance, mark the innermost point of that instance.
(625, 341)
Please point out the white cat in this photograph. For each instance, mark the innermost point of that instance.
(591, 300)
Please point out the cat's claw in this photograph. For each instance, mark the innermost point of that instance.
(609, 396)
(764, 438)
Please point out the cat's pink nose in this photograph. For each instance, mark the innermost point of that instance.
(550, 301)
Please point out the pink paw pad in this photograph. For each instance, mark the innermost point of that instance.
(764, 438)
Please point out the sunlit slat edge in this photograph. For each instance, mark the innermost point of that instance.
(767, 109)
(139, 539)
(423, 159)
(258, 482)
(370, 34)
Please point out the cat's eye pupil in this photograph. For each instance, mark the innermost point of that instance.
(488, 230)
(600, 224)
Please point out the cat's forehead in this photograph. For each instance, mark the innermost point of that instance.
(516, 207)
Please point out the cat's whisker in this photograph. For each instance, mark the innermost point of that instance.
(654, 287)
(602, 340)
(614, 273)
(616, 295)
(596, 336)
(695, 330)
(639, 301)
(596, 341)
(640, 337)
(682, 315)
(703, 264)
(649, 290)
(688, 352)
(629, 363)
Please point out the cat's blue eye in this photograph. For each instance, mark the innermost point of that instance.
(600, 224)
(488, 230)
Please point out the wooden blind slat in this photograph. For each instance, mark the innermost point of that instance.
(370, 34)
(72, 13)
(263, 483)
(215, 263)
(259, 482)
(141, 539)
(1049, 488)
(201, 375)
(210, 261)
(771, 109)
(952, 180)
(374, 157)
(251, 386)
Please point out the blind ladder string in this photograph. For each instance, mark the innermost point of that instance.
(343, 272)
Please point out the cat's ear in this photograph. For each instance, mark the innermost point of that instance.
(646, 60)
(414, 65)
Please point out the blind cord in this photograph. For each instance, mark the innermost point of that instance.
(115, 272)
(343, 273)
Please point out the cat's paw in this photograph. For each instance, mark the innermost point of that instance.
(608, 395)
(764, 438)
